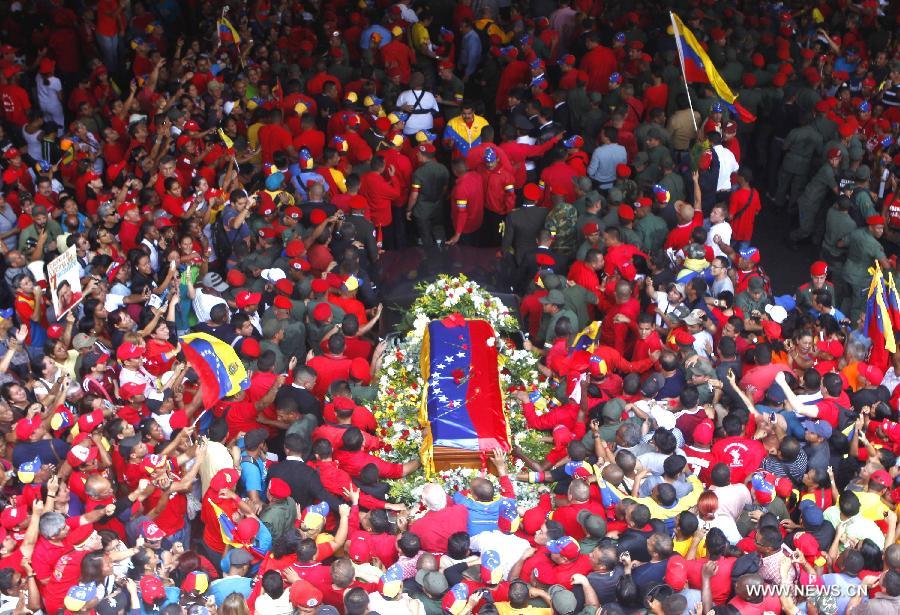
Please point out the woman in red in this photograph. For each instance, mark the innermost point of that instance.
(742, 209)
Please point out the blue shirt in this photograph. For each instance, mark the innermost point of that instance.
(604, 160)
(221, 588)
(253, 475)
(470, 52)
(366, 37)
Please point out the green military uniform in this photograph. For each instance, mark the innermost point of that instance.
(748, 305)
(674, 183)
(315, 331)
(451, 90)
(862, 250)
(648, 129)
(583, 202)
(630, 236)
(648, 175)
(807, 98)
(431, 181)
(363, 394)
(863, 203)
(828, 128)
(802, 145)
(629, 189)
(803, 297)
(814, 197)
(280, 363)
(548, 321)
(586, 246)
(751, 99)
(838, 144)
(580, 104)
(652, 232)
(857, 149)
(280, 516)
(561, 223)
(294, 342)
(838, 226)
(657, 156)
(31, 232)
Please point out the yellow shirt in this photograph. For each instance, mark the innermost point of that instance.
(504, 608)
(419, 37)
(871, 506)
(682, 546)
(253, 140)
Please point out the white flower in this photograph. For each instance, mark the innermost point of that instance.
(491, 341)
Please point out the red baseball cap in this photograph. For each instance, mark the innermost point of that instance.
(245, 298)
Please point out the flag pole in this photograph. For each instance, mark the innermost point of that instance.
(683, 73)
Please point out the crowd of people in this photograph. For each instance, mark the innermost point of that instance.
(241, 168)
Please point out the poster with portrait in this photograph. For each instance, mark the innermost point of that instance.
(64, 281)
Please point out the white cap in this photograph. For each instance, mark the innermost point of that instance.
(776, 313)
(229, 106)
(134, 118)
(272, 275)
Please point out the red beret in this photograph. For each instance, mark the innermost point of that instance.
(282, 302)
(285, 286)
(683, 338)
(278, 488)
(545, 260)
(625, 212)
(623, 170)
(818, 268)
(359, 369)
(322, 312)
(236, 278)
(590, 228)
(874, 220)
(532, 192)
(319, 285)
(250, 347)
(300, 264)
(294, 248)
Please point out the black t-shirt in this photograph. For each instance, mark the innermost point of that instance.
(306, 401)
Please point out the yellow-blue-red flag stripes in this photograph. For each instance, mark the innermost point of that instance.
(879, 325)
(698, 68)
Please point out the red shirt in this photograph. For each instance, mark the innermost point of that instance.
(172, 518)
(741, 454)
(240, 416)
(380, 193)
(313, 140)
(382, 546)
(742, 201)
(700, 462)
(435, 527)
(599, 63)
(272, 138)
(354, 462)
(720, 583)
(557, 179)
(336, 480)
(467, 203)
(66, 572)
(14, 104)
(212, 536)
(680, 236)
(328, 369)
(108, 19)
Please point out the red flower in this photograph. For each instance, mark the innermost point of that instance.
(414, 385)
(458, 375)
(390, 423)
(388, 448)
(469, 290)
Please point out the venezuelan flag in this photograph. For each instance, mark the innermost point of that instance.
(587, 339)
(698, 68)
(878, 325)
(220, 371)
(893, 301)
(227, 32)
(227, 527)
(463, 405)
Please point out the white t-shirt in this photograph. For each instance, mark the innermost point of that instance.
(721, 229)
(727, 165)
(510, 548)
(48, 99)
(418, 121)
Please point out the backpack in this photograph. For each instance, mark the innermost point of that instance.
(485, 39)
(221, 241)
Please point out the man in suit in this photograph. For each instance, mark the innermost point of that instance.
(523, 224)
(365, 230)
(306, 487)
(300, 391)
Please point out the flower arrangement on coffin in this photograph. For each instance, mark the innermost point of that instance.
(400, 382)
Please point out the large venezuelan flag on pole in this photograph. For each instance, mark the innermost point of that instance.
(218, 367)
(227, 32)
(698, 68)
(879, 323)
(462, 405)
